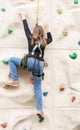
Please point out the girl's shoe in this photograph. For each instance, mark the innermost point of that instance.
(12, 83)
(40, 115)
(41, 118)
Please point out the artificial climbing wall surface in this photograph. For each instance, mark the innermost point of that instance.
(61, 85)
(66, 53)
(17, 105)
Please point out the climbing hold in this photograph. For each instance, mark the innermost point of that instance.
(78, 42)
(75, 1)
(45, 64)
(65, 33)
(5, 61)
(62, 88)
(41, 119)
(25, 129)
(45, 93)
(4, 125)
(73, 56)
(73, 98)
(31, 81)
(3, 9)
(59, 11)
(43, 76)
(10, 31)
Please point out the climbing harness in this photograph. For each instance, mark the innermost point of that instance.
(36, 57)
(37, 11)
(32, 57)
(24, 61)
(37, 45)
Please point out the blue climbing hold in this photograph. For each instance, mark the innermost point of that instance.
(78, 42)
(3, 9)
(45, 93)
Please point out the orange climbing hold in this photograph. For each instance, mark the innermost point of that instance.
(73, 98)
(31, 81)
(4, 125)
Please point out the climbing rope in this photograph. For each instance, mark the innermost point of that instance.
(37, 11)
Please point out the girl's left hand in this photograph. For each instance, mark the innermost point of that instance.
(46, 26)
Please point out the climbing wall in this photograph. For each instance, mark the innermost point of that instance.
(66, 61)
(61, 84)
(17, 104)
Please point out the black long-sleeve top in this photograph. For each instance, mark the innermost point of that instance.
(28, 35)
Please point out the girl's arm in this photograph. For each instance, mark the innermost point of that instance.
(25, 24)
(26, 29)
(49, 36)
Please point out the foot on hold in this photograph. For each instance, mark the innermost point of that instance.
(12, 83)
(40, 118)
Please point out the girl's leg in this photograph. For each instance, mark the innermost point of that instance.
(13, 63)
(38, 93)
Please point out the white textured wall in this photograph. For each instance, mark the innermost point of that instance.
(17, 105)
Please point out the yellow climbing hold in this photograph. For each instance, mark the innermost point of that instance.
(59, 11)
(45, 64)
(65, 33)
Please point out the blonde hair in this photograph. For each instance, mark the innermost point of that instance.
(38, 34)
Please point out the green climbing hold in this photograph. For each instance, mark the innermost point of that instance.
(41, 119)
(5, 61)
(78, 42)
(10, 31)
(45, 93)
(73, 56)
(75, 1)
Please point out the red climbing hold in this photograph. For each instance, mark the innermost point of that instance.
(73, 98)
(31, 81)
(4, 125)
(62, 88)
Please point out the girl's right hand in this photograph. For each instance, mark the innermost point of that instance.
(22, 14)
